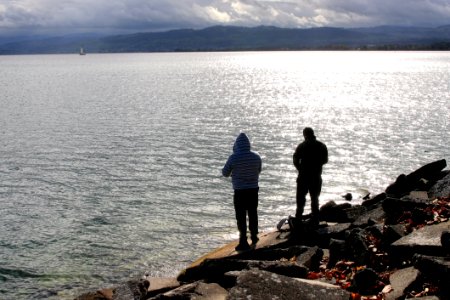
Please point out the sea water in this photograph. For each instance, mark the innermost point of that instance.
(110, 164)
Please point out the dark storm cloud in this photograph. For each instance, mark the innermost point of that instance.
(150, 15)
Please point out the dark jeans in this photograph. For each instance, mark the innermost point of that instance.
(246, 202)
(313, 185)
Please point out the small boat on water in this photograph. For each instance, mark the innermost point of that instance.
(82, 51)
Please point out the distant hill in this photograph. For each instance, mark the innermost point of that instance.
(230, 38)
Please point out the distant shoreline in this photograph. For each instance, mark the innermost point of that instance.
(231, 38)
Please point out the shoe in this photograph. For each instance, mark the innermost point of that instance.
(243, 247)
(255, 240)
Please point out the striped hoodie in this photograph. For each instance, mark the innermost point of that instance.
(243, 165)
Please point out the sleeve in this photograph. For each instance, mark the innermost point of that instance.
(325, 154)
(227, 169)
(260, 164)
(296, 158)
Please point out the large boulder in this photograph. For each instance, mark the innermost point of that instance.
(213, 270)
(358, 248)
(441, 188)
(426, 240)
(395, 208)
(257, 284)
(422, 179)
(325, 234)
(311, 258)
(400, 280)
(370, 217)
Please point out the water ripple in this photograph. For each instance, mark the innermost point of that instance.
(113, 169)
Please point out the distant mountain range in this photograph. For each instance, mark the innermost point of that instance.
(230, 38)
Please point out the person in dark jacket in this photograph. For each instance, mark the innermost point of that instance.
(244, 166)
(309, 157)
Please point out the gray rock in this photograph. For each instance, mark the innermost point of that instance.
(196, 291)
(336, 231)
(435, 266)
(356, 243)
(161, 285)
(424, 298)
(272, 254)
(426, 240)
(214, 269)
(422, 179)
(445, 240)
(135, 289)
(311, 258)
(286, 268)
(98, 295)
(364, 282)
(393, 233)
(375, 201)
(395, 208)
(400, 281)
(338, 251)
(354, 212)
(370, 217)
(441, 188)
(256, 284)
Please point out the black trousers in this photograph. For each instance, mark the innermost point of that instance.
(313, 185)
(246, 203)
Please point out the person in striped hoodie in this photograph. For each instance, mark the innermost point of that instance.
(244, 166)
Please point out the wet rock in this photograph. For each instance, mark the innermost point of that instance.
(197, 290)
(399, 188)
(348, 196)
(400, 281)
(98, 295)
(256, 284)
(161, 285)
(429, 172)
(422, 178)
(133, 289)
(374, 201)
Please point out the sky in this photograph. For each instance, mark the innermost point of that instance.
(129, 16)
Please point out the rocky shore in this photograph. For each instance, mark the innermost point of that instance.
(395, 245)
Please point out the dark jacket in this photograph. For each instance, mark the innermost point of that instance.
(243, 165)
(310, 156)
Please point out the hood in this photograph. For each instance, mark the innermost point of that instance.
(242, 143)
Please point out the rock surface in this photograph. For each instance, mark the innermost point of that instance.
(254, 284)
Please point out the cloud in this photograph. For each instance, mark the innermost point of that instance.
(153, 15)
